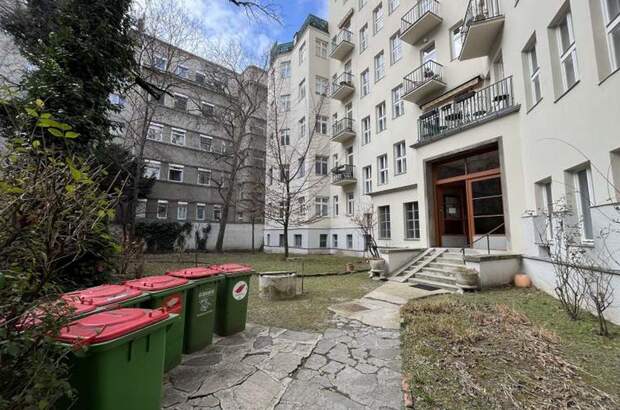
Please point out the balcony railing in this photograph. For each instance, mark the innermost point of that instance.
(467, 109)
(342, 86)
(480, 10)
(428, 71)
(342, 127)
(344, 37)
(417, 12)
(343, 174)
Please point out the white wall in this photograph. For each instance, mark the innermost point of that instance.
(237, 236)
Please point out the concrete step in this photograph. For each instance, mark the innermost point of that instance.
(435, 277)
(453, 267)
(439, 271)
(439, 285)
(451, 259)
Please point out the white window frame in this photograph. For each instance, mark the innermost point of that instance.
(321, 48)
(180, 206)
(412, 217)
(296, 243)
(321, 206)
(161, 202)
(209, 174)
(321, 85)
(285, 137)
(350, 203)
(378, 18)
(363, 38)
(579, 206)
(320, 164)
(335, 240)
(366, 130)
(176, 167)
(381, 117)
(385, 224)
(160, 132)
(285, 69)
(570, 52)
(181, 68)
(322, 124)
(285, 102)
(400, 158)
(396, 48)
(611, 23)
(162, 59)
(204, 211)
(379, 62)
(217, 213)
(148, 162)
(301, 90)
(393, 5)
(179, 133)
(382, 170)
(302, 53)
(367, 177)
(456, 41)
(302, 127)
(336, 205)
(365, 82)
(534, 74)
(398, 104)
(349, 241)
(186, 102)
(208, 138)
(141, 208)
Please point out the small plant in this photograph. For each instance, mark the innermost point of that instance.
(163, 236)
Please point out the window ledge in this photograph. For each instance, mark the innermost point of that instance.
(567, 91)
(534, 106)
(617, 70)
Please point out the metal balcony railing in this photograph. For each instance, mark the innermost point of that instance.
(415, 14)
(343, 173)
(466, 109)
(480, 10)
(428, 71)
(343, 125)
(343, 35)
(344, 79)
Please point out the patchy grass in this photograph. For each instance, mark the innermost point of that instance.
(308, 312)
(507, 348)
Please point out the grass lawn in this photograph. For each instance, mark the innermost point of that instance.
(308, 312)
(507, 348)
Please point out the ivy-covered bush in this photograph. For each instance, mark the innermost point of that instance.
(163, 236)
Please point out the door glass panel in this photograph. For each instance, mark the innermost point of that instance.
(484, 225)
(483, 162)
(451, 169)
(487, 187)
(488, 206)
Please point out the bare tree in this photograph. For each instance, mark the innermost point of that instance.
(255, 7)
(365, 220)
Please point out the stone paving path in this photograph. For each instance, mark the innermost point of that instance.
(349, 366)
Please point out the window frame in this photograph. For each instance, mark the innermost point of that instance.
(182, 205)
(176, 167)
(412, 216)
(364, 83)
(367, 179)
(366, 131)
(379, 66)
(398, 104)
(321, 206)
(579, 206)
(385, 222)
(141, 208)
(321, 47)
(611, 23)
(381, 119)
(146, 166)
(155, 126)
(400, 161)
(363, 38)
(204, 211)
(570, 52)
(396, 45)
(206, 171)
(378, 19)
(178, 132)
(350, 204)
(383, 170)
(162, 202)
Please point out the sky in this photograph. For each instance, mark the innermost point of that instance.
(222, 21)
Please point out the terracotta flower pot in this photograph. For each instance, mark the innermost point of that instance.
(522, 281)
(350, 267)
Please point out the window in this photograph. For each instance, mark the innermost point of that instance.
(160, 63)
(182, 71)
(201, 212)
(320, 165)
(298, 239)
(281, 240)
(321, 86)
(206, 143)
(302, 53)
(534, 73)
(285, 102)
(366, 130)
(398, 105)
(301, 170)
(365, 82)
(335, 241)
(204, 176)
(268, 239)
(177, 136)
(381, 118)
(155, 132)
(175, 173)
(302, 127)
(285, 137)
(336, 205)
(456, 36)
(612, 14)
(323, 241)
(301, 205)
(363, 3)
(301, 91)
(199, 77)
(349, 241)
(118, 100)
(321, 204)
(584, 202)
(379, 66)
(412, 221)
(400, 158)
(367, 175)
(385, 229)
(182, 211)
(396, 48)
(208, 110)
(180, 102)
(350, 203)
(382, 167)
(363, 38)
(285, 69)
(285, 172)
(141, 208)
(568, 51)
(270, 176)
(321, 48)
(321, 124)
(217, 213)
(152, 169)
(428, 53)
(377, 18)
(393, 5)
(162, 209)
(546, 208)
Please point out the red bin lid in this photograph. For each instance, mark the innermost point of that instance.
(195, 273)
(109, 325)
(233, 268)
(103, 295)
(33, 317)
(156, 283)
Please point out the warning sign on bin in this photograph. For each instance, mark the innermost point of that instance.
(205, 301)
(240, 290)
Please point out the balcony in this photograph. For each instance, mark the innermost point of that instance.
(467, 110)
(342, 45)
(342, 87)
(343, 130)
(423, 82)
(343, 175)
(419, 21)
(482, 25)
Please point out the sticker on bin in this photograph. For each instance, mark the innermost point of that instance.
(109, 325)
(240, 290)
(174, 303)
(103, 295)
(156, 283)
(194, 273)
(233, 268)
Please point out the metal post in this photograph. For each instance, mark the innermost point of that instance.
(489, 244)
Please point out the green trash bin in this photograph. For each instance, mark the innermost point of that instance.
(232, 299)
(118, 359)
(169, 293)
(201, 303)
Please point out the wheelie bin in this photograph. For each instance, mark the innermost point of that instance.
(232, 298)
(170, 293)
(200, 310)
(117, 359)
(107, 296)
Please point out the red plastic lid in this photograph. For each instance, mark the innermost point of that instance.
(33, 317)
(233, 268)
(109, 325)
(195, 273)
(103, 295)
(156, 283)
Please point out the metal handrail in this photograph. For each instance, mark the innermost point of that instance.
(431, 70)
(343, 79)
(344, 124)
(480, 10)
(343, 172)
(417, 12)
(488, 236)
(343, 35)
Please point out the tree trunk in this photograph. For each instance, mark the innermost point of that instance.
(253, 225)
(219, 246)
(286, 239)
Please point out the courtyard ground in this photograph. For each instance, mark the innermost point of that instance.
(507, 348)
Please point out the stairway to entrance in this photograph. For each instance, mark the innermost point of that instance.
(436, 268)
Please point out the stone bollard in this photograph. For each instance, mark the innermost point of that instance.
(278, 285)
